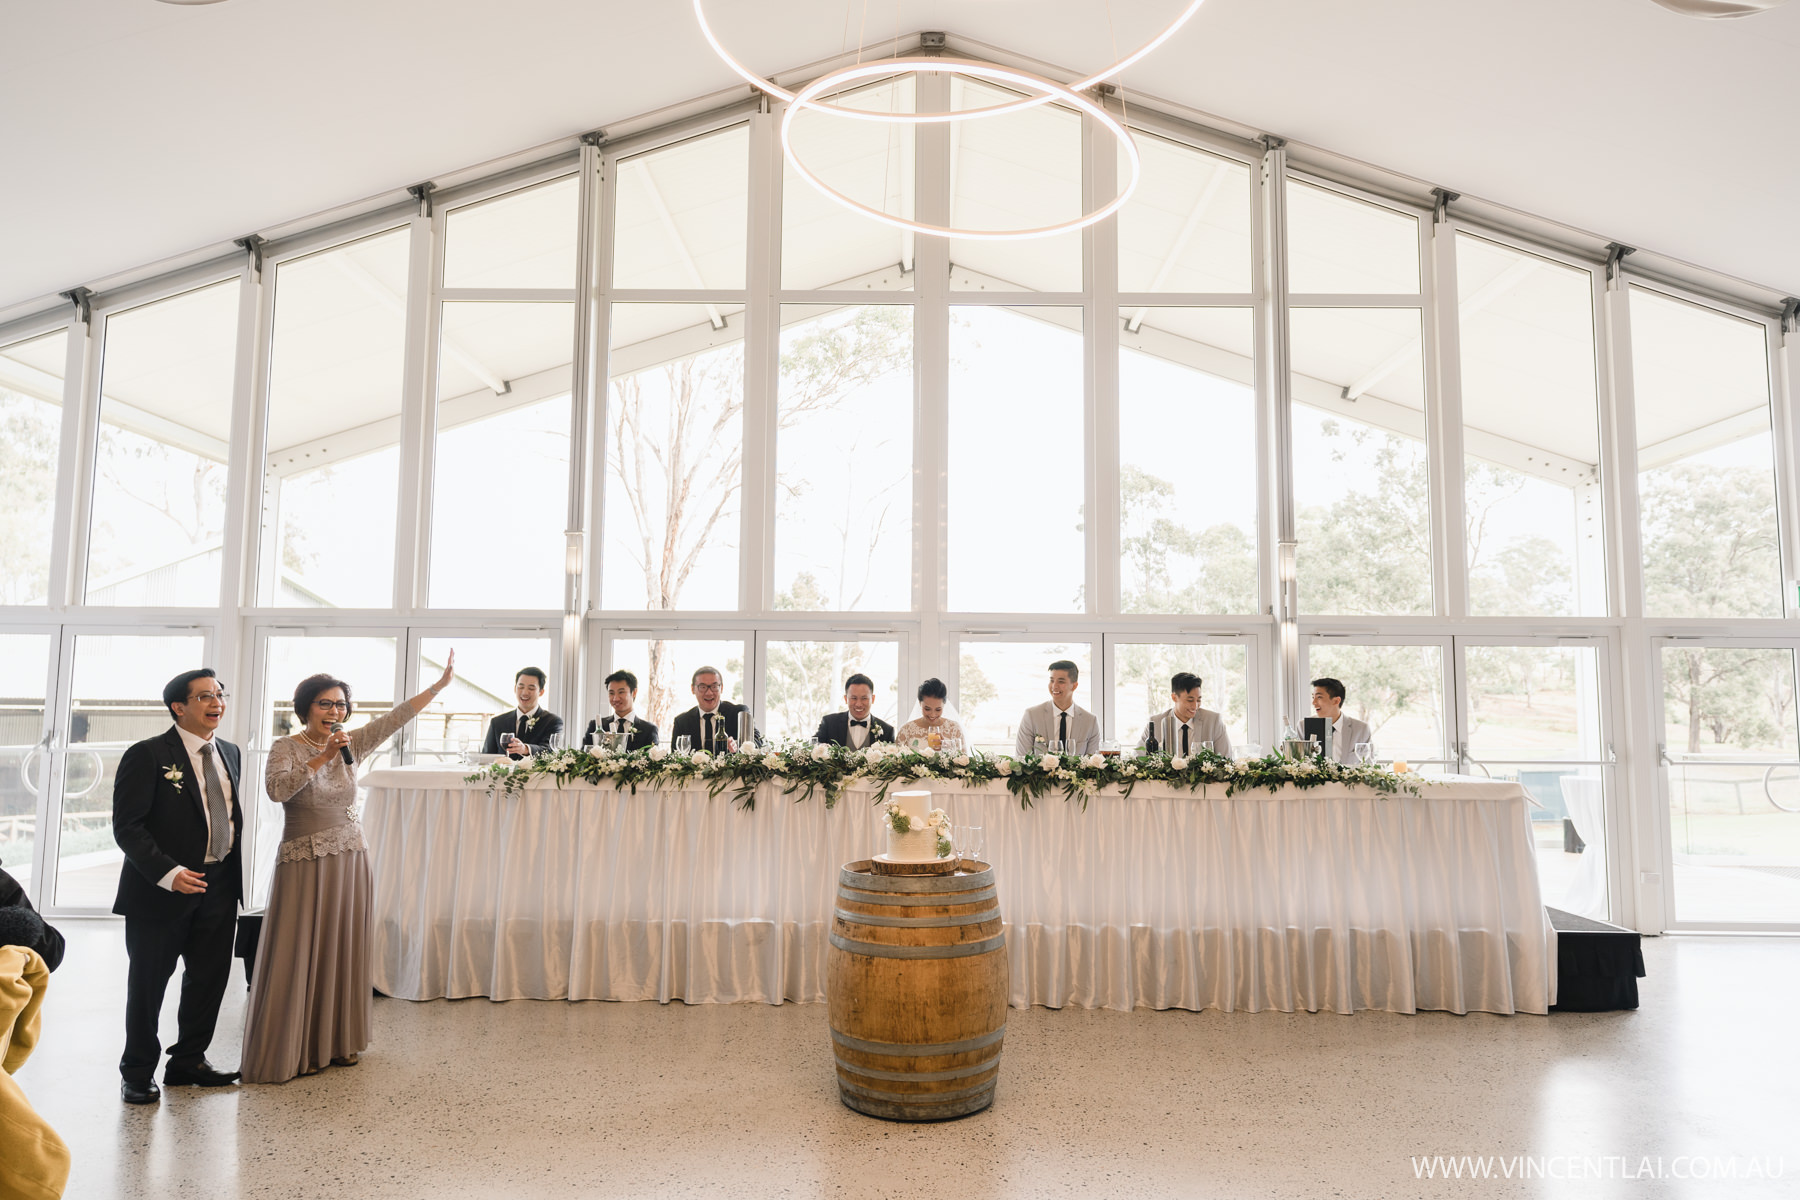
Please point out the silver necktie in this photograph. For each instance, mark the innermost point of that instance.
(218, 811)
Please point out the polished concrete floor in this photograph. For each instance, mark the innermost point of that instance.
(474, 1099)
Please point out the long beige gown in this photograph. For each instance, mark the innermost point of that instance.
(311, 995)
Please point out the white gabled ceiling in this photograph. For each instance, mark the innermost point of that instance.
(132, 131)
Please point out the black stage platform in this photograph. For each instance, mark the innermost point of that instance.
(1597, 965)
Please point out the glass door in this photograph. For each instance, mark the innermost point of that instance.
(367, 661)
(114, 683)
(1141, 669)
(1530, 710)
(1396, 685)
(803, 678)
(664, 664)
(1731, 768)
(26, 661)
(998, 678)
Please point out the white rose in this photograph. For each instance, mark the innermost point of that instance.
(1178, 763)
(1047, 763)
(821, 752)
(772, 761)
(1003, 766)
(658, 753)
(961, 760)
(1094, 761)
(702, 756)
(914, 824)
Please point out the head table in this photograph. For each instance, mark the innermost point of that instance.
(1333, 898)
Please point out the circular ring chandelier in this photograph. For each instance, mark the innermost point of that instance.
(1080, 85)
(807, 98)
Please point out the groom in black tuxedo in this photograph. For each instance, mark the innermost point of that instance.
(621, 694)
(527, 728)
(854, 727)
(177, 817)
(712, 722)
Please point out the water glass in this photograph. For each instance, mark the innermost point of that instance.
(683, 744)
(1206, 745)
(1365, 754)
(1252, 750)
(462, 750)
(1054, 746)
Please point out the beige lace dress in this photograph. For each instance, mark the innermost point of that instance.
(310, 992)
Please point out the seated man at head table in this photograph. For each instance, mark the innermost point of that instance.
(1193, 726)
(1060, 719)
(710, 725)
(528, 728)
(1342, 731)
(854, 727)
(621, 694)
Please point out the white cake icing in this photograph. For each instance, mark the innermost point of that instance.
(920, 845)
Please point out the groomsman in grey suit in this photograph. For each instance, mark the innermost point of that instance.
(1193, 726)
(1343, 731)
(1060, 719)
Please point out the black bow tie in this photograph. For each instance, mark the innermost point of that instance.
(864, 723)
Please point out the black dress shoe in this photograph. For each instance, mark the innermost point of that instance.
(200, 1075)
(140, 1093)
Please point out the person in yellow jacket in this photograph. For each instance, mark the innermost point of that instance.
(34, 1161)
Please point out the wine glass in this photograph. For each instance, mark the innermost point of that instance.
(462, 748)
(683, 743)
(971, 845)
(1253, 750)
(1365, 754)
(1054, 746)
(1206, 745)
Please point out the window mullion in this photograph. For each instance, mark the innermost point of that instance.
(1444, 418)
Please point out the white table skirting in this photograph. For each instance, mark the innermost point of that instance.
(1328, 899)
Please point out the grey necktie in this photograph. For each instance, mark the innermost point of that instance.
(218, 811)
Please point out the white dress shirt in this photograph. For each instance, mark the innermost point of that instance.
(193, 742)
(857, 735)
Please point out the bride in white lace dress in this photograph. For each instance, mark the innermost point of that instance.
(932, 725)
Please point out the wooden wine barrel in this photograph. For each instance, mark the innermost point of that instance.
(917, 985)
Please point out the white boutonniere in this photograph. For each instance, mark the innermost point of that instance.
(174, 776)
(529, 722)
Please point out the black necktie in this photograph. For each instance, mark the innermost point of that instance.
(707, 741)
(1063, 737)
(1184, 741)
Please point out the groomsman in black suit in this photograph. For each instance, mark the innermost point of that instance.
(177, 817)
(527, 728)
(854, 727)
(712, 723)
(621, 694)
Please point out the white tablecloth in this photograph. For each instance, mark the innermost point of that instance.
(1333, 898)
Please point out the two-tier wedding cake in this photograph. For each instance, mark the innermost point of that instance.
(917, 832)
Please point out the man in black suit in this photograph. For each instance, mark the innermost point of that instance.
(712, 723)
(621, 694)
(177, 817)
(528, 728)
(854, 727)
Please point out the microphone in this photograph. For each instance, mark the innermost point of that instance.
(338, 727)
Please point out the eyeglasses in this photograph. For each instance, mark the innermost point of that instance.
(706, 687)
(205, 697)
(343, 704)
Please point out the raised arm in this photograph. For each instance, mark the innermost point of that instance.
(365, 740)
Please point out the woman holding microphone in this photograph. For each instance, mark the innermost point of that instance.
(310, 996)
